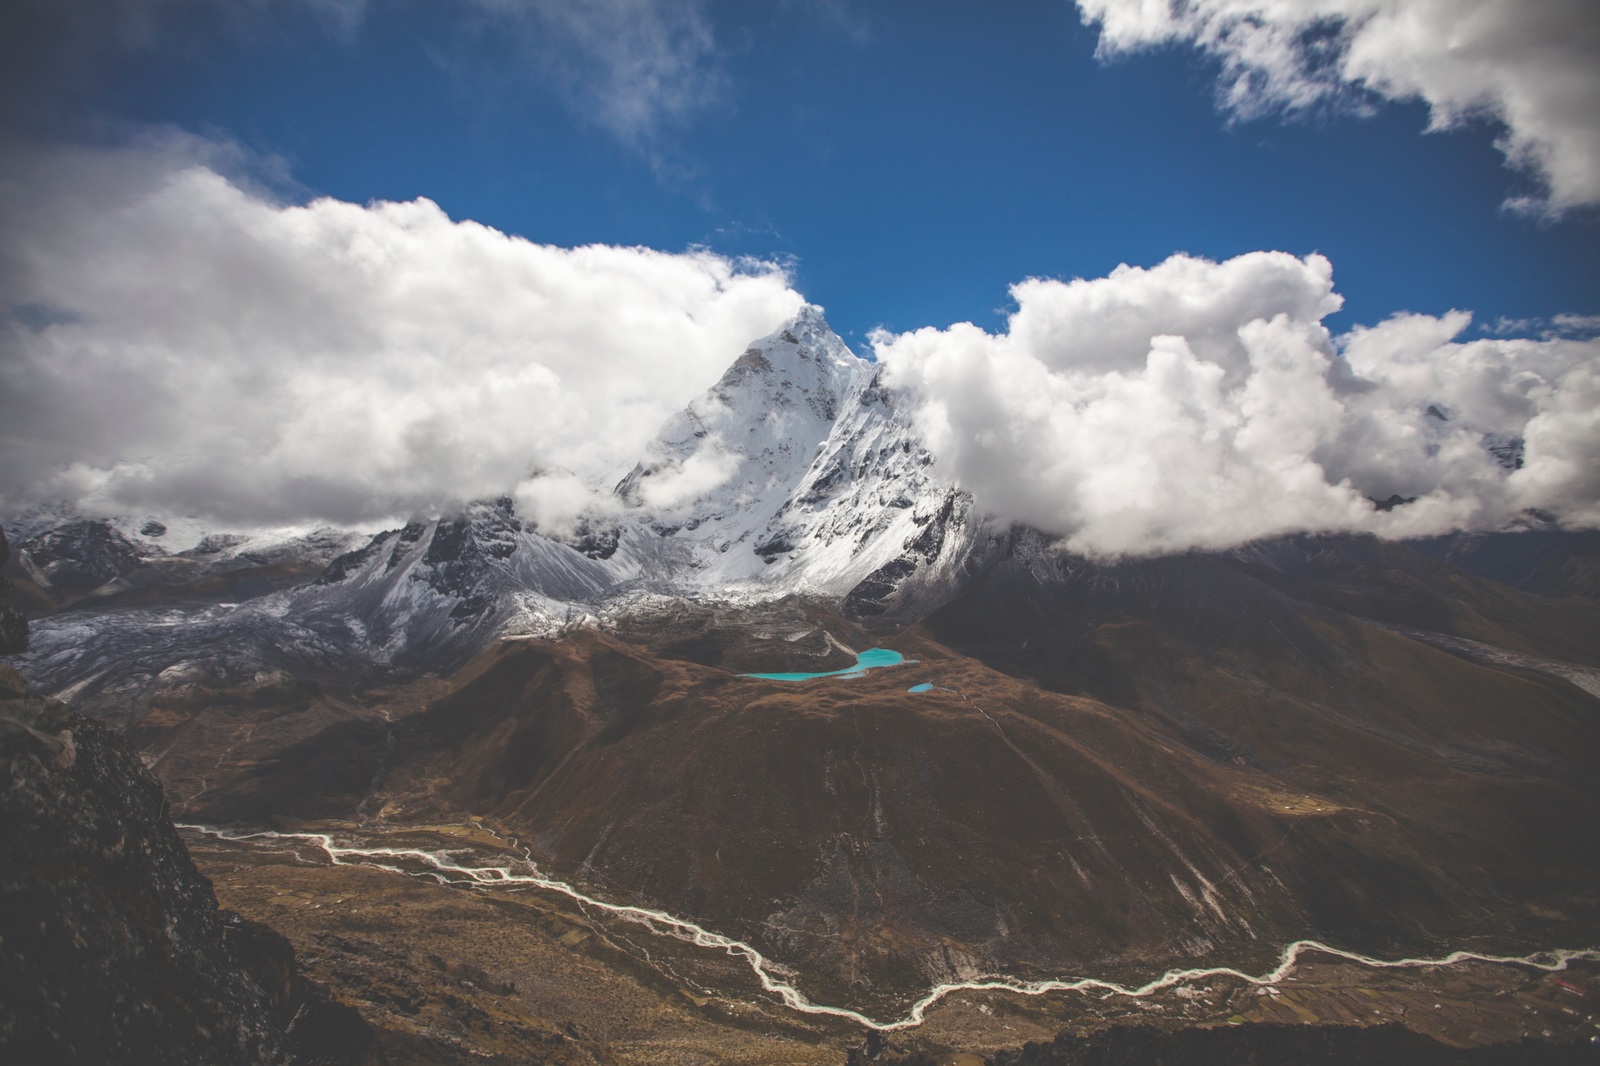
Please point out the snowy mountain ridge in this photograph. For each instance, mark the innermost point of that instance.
(825, 479)
(797, 473)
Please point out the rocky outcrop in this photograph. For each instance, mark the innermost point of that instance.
(78, 557)
(112, 947)
(13, 626)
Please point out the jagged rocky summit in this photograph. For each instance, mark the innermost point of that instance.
(13, 626)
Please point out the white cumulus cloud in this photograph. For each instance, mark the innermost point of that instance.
(175, 341)
(1534, 67)
(1202, 405)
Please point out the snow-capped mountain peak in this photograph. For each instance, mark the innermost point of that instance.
(796, 473)
(751, 437)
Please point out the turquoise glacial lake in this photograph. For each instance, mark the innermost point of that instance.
(870, 659)
(926, 686)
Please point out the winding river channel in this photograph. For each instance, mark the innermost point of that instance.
(441, 865)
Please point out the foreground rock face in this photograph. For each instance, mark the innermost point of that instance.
(112, 948)
(13, 627)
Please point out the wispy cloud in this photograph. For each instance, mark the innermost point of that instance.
(638, 69)
(849, 17)
(1566, 325)
(1533, 67)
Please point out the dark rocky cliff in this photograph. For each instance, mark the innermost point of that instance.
(112, 947)
(13, 627)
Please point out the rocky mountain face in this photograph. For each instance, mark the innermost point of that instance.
(13, 624)
(112, 949)
(1163, 768)
(1163, 763)
(796, 474)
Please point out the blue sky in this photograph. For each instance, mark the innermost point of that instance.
(277, 261)
(909, 160)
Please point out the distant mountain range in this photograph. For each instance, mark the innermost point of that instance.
(797, 474)
(815, 484)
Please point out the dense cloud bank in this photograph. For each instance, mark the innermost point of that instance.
(1200, 405)
(177, 342)
(1531, 66)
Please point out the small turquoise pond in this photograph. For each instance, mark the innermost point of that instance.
(870, 659)
(926, 686)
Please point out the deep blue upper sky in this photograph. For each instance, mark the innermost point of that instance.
(911, 160)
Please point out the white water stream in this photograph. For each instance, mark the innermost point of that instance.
(446, 870)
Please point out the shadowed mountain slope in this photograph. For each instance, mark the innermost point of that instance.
(1158, 766)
